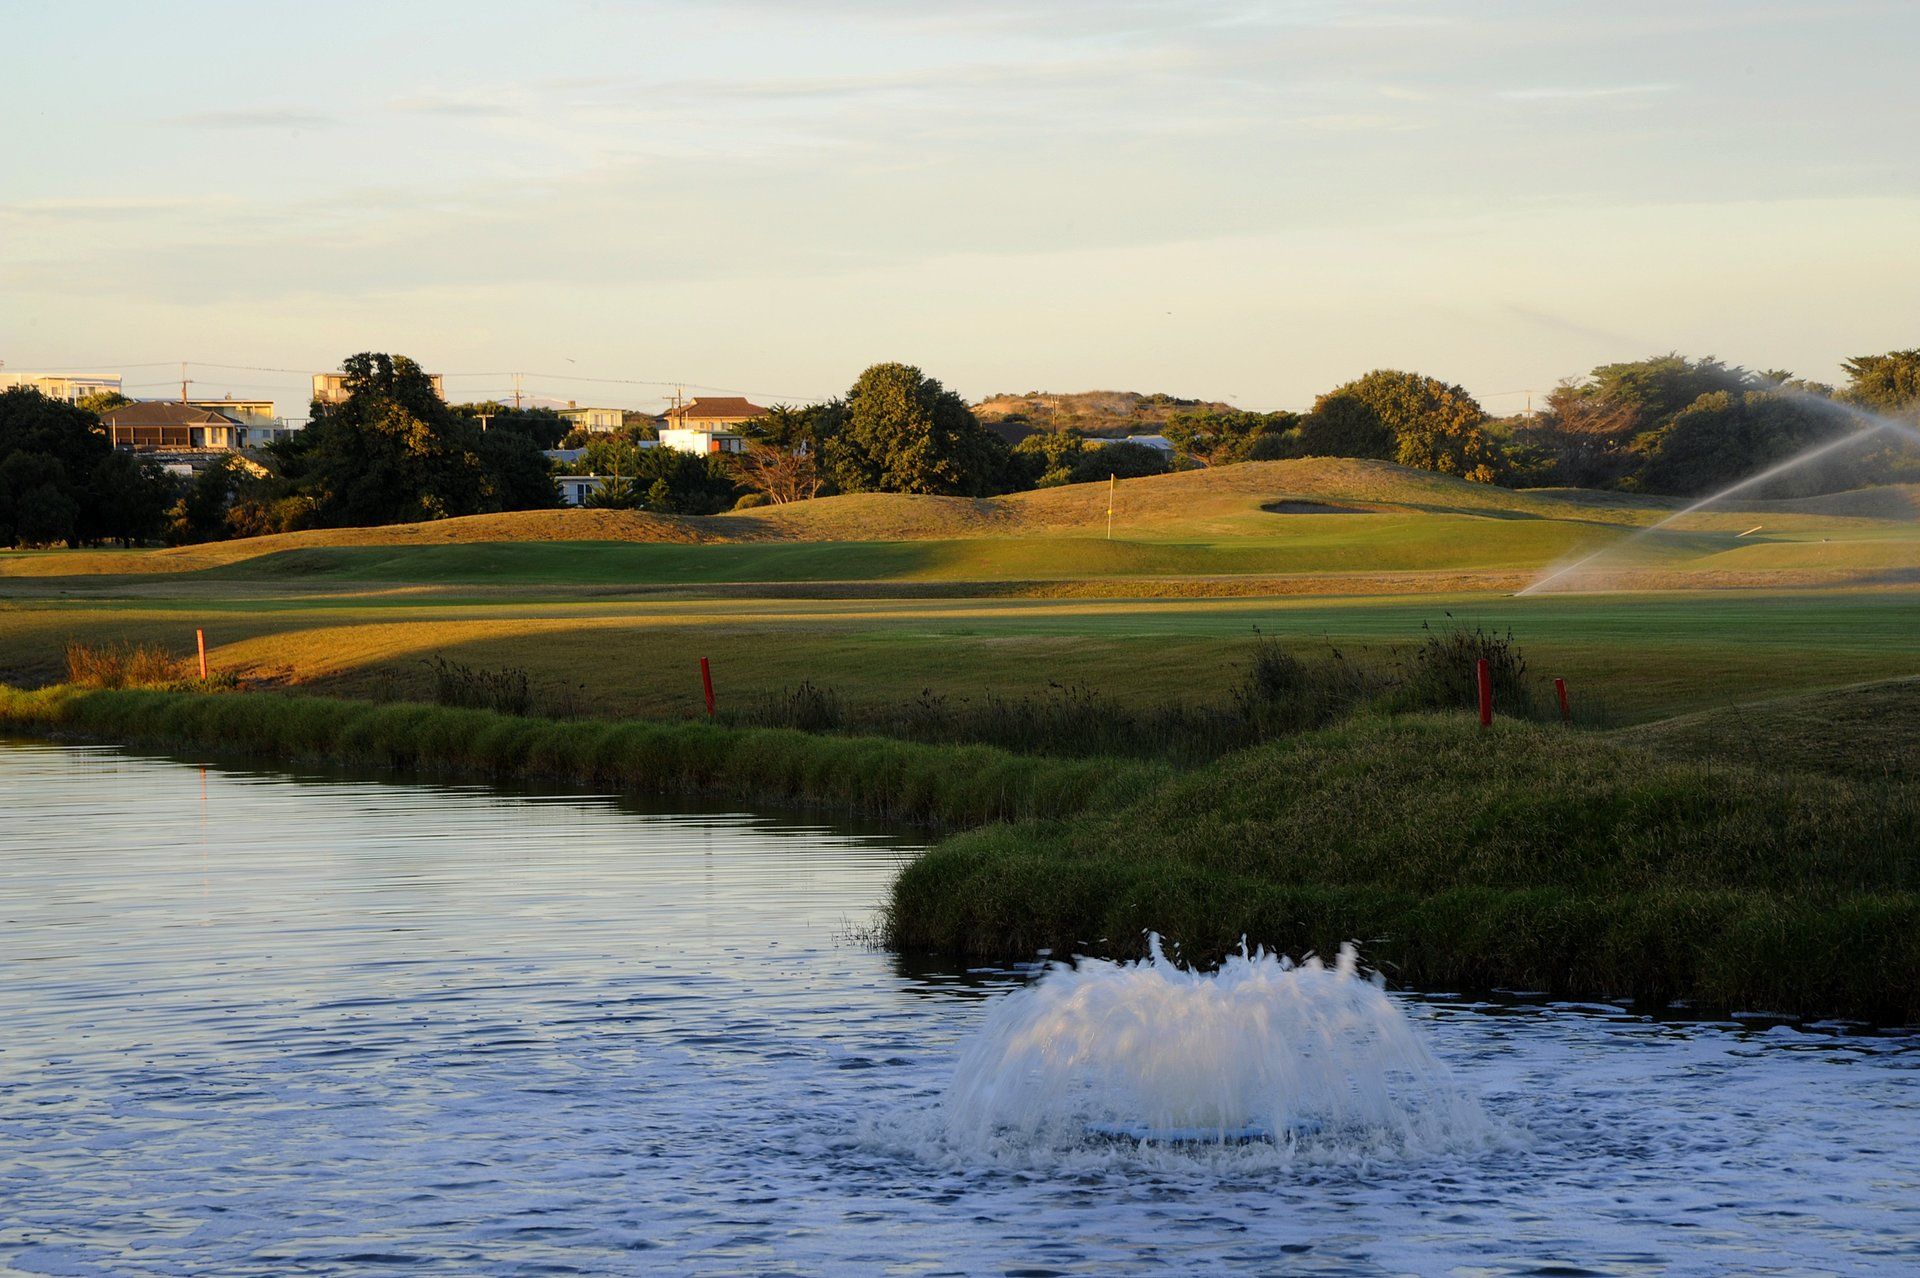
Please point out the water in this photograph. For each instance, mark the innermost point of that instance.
(1866, 425)
(1309, 1059)
(259, 1024)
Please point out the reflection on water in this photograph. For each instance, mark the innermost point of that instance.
(251, 1023)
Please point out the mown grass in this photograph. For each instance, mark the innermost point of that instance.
(1526, 857)
(895, 780)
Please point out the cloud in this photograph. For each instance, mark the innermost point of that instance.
(1576, 93)
(456, 106)
(255, 118)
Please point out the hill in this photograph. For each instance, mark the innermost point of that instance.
(1309, 515)
(1090, 412)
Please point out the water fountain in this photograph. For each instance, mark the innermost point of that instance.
(1152, 1053)
(1868, 426)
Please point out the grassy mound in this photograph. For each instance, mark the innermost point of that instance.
(1870, 733)
(1523, 857)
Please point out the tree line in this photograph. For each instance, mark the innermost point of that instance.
(393, 451)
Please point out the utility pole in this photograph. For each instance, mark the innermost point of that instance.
(183, 381)
(1112, 481)
(516, 392)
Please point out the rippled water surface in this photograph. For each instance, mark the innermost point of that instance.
(257, 1023)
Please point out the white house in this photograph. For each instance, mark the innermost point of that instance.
(593, 419)
(1159, 443)
(575, 489)
(705, 440)
(67, 387)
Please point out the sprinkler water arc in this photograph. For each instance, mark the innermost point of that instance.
(1871, 424)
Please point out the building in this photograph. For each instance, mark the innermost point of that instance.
(69, 388)
(248, 412)
(331, 388)
(167, 425)
(593, 419)
(575, 489)
(1159, 443)
(712, 413)
(714, 440)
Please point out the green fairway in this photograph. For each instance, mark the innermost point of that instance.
(884, 598)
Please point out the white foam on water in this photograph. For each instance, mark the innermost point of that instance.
(1261, 1061)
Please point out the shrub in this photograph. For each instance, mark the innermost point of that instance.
(1440, 672)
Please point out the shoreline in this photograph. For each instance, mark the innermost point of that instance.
(1525, 857)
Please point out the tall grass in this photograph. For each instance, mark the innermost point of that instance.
(508, 690)
(1278, 693)
(935, 785)
(121, 665)
(1522, 857)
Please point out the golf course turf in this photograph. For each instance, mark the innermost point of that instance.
(1728, 820)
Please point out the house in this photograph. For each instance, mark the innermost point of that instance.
(712, 412)
(575, 489)
(331, 388)
(593, 419)
(706, 440)
(248, 412)
(166, 425)
(1159, 443)
(65, 387)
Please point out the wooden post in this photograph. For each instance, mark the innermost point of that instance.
(1560, 690)
(706, 683)
(1484, 675)
(200, 638)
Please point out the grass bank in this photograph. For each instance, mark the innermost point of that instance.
(1526, 857)
(894, 780)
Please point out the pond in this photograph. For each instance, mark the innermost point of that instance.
(259, 1022)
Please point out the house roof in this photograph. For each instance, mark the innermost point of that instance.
(164, 412)
(715, 408)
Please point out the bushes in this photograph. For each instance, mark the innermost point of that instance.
(1440, 672)
(1525, 857)
(939, 785)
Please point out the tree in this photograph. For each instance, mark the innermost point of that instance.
(1650, 391)
(201, 512)
(616, 492)
(393, 452)
(781, 475)
(1888, 383)
(37, 507)
(1723, 438)
(1215, 437)
(784, 447)
(65, 482)
(1120, 460)
(129, 500)
(1048, 458)
(545, 427)
(1342, 424)
(906, 433)
(102, 402)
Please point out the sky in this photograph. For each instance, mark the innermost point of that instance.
(1212, 198)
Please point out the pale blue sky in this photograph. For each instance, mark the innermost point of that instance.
(1246, 200)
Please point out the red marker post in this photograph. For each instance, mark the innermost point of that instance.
(1560, 690)
(1484, 674)
(706, 683)
(200, 638)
